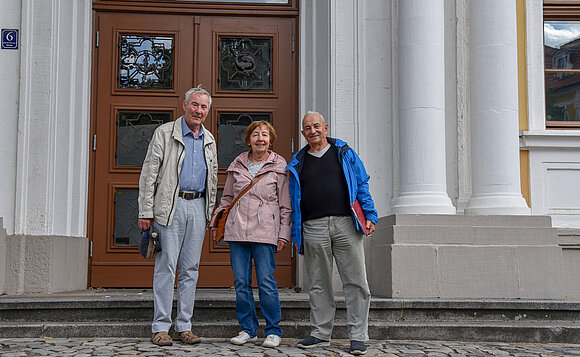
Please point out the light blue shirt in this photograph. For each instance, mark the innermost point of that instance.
(193, 171)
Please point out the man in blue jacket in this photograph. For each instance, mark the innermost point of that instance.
(326, 177)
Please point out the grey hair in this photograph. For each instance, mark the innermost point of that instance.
(197, 90)
(317, 113)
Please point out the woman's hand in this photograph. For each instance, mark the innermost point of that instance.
(214, 234)
(280, 246)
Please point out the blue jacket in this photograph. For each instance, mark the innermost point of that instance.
(356, 179)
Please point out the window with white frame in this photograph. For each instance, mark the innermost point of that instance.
(562, 63)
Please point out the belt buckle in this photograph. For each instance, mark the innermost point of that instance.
(190, 195)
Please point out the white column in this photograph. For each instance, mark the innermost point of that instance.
(53, 123)
(494, 109)
(422, 172)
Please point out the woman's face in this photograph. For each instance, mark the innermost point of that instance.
(260, 140)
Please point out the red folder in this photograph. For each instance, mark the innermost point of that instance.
(360, 216)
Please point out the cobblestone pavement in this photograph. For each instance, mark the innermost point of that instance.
(221, 347)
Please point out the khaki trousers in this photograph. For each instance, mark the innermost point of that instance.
(325, 239)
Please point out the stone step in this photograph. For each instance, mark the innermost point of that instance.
(532, 332)
(460, 220)
(296, 309)
(383, 309)
(128, 314)
(486, 236)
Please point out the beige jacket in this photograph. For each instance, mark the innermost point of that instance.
(159, 181)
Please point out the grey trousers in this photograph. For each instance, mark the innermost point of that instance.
(181, 244)
(324, 239)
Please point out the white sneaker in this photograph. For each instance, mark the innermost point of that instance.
(242, 338)
(272, 341)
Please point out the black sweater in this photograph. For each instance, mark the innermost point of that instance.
(324, 191)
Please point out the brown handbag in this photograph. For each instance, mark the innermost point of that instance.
(222, 216)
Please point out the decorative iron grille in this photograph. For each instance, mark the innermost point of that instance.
(145, 62)
(245, 64)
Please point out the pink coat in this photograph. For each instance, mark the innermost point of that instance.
(261, 215)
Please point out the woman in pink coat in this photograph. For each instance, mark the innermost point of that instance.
(257, 227)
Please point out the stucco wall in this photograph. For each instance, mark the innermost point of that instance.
(2, 258)
(554, 154)
(373, 135)
(9, 94)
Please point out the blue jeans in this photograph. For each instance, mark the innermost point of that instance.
(241, 255)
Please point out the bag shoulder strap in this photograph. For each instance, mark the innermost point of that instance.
(254, 181)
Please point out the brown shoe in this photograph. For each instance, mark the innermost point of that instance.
(161, 338)
(186, 337)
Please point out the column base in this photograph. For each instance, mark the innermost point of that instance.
(45, 264)
(465, 256)
(423, 203)
(498, 204)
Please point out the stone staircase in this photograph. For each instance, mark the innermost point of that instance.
(127, 313)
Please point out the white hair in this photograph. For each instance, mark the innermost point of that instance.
(197, 90)
(313, 112)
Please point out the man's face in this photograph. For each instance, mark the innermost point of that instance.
(196, 109)
(314, 130)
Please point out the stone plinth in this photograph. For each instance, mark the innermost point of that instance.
(465, 256)
(45, 264)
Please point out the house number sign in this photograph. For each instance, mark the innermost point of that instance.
(9, 39)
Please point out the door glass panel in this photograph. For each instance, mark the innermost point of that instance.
(127, 231)
(135, 130)
(245, 64)
(145, 62)
(231, 127)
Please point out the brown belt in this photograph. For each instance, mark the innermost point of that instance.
(190, 195)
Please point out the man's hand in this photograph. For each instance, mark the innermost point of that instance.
(370, 227)
(280, 246)
(144, 223)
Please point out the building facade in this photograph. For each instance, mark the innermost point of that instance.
(463, 112)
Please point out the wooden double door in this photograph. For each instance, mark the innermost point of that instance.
(143, 65)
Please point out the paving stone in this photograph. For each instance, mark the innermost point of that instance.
(221, 347)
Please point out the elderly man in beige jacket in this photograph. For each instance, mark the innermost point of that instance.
(177, 193)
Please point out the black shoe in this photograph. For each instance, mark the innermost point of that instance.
(357, 348)
(311, 342)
